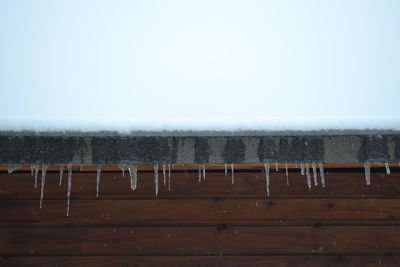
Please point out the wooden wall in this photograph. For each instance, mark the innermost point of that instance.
(213, 223)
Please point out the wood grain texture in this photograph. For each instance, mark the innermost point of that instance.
(201, 212)
(216, 185)
(213, 223)
(262, 240)
(201, 261)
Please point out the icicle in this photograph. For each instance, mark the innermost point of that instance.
(302, 167)
(133, 176)
(204, 172)
(156, 178)
(307, 167)
(122, 167)
(321, 172)
(266, 166)
(44, 169)
(32, 169)
(164, 171)
(169, 177)
(315, 174)
(36, 174)
(387, 168)
(287, 174)
(226, 169)
(13, 167)
(98, 180)
(69, 182)
(199, 173)
(367, 169)
(61, 173)
(233, 173)
(276, 167)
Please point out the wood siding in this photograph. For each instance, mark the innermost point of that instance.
(212, 223)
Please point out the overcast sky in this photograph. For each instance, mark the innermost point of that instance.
(204, 59)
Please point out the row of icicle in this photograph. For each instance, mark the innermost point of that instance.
(305, 169)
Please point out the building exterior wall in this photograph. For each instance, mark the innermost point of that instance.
(212, 223)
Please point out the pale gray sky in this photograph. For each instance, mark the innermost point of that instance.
(208, 59)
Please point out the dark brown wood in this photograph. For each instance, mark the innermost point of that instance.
(201, 212)
(216, 185)
(213, 223)
(262, 240)
(201, 261)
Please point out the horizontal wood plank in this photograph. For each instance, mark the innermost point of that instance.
(201, 224)
(216, 185)
(201, 261)
(377, 240)
(201, 212)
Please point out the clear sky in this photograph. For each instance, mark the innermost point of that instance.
(126, 59)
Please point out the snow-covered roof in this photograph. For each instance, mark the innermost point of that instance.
(207, 126)
(199, 82)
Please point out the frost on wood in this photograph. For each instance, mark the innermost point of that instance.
(13, 167)
(98, 180)
(69, 184)
(367, 170)
(266, 167)
(44, 170)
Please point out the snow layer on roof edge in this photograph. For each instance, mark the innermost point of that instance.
(251, 126)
